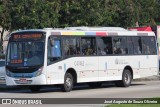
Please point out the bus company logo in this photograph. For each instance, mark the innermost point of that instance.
(6, 101)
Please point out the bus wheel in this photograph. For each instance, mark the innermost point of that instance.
(68, 83)
(126, 79)
(95, 84)
(35, 88)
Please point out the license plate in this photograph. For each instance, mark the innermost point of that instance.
(23, 81)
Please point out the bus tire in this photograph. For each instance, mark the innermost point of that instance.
(35, 88)
(95, 84)
(68, 83)
(126, 79)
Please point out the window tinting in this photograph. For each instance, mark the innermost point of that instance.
(130, 44)
(137, 45)
(149, 45)
(88, 45)
(71, 46)
(119, 45)
(134, 45)
(104, 45)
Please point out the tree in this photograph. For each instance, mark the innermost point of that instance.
(5, 19)
(146, 11)
(30, 14)
(80, 13)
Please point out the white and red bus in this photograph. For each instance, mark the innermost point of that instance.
(79, 54)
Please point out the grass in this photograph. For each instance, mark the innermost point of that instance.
(134, 105)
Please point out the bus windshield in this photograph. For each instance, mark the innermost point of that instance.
(25, 53)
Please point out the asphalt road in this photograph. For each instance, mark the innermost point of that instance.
(143, 89)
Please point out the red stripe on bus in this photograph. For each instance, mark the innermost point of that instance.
(101, 33)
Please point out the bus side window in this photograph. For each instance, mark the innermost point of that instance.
(152, 45)
(130, 44)
(71, 46)
(88, 45)
(104, 45)
(119, 45)
(137, 45)
(149, 45)
(78, 51)
(134, 45)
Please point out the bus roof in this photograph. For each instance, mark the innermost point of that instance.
(91, 31)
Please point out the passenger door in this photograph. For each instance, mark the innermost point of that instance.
(54, 55)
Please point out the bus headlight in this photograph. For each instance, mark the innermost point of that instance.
(39, 71)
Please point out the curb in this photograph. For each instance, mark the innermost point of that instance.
(151, 78)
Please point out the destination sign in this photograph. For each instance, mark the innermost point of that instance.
(16, 61)
(23, 36)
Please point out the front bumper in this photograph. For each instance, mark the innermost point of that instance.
(39, 80)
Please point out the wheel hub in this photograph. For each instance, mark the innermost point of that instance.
(68, 82)
(126, 78)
